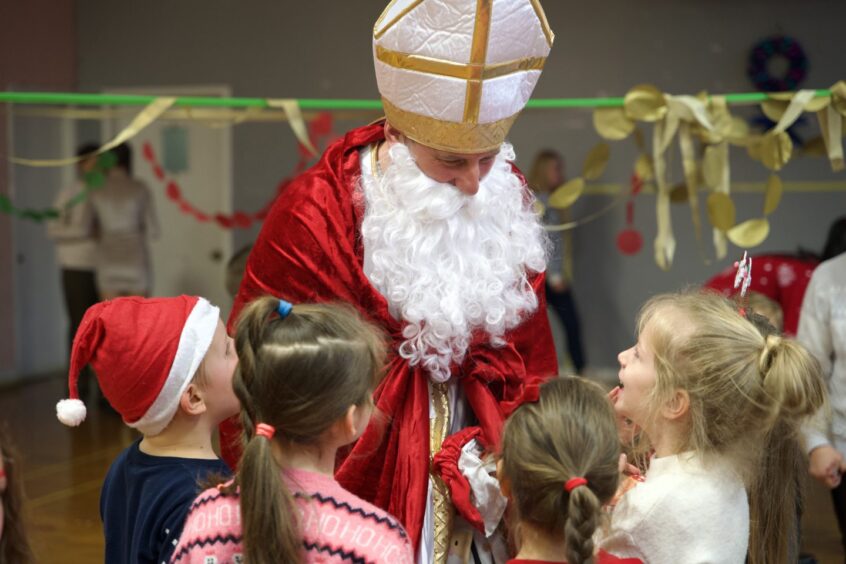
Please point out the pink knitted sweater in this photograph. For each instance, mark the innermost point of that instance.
(336, 525)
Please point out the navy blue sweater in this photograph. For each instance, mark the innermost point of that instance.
(144, 502)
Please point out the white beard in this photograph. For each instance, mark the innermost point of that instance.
(449, 264)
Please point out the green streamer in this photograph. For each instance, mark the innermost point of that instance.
(82, 99)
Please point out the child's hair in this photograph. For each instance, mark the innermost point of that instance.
(749, 389)
(14, 544)
(762, 305)
(299, 374)
(569, 432)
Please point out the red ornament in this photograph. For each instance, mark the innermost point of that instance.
(157, 170)
(629, 241)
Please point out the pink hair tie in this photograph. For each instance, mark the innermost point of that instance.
(574, 483)
(265, 430)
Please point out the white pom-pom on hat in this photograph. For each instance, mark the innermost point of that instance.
(71, 412)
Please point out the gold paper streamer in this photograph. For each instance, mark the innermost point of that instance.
(797, 105)
(691, 180)
(721, 211)
(144, 118)
(838, 97)
(565, 195)
(773, 149)
(772, 195)
(596, 161)
(644, 168)
(750, 233)
(295, 119)
(665, 243)
(645, 103)
(612, 123)
(831, 126)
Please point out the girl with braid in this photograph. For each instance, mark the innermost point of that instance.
(560, 464)
(305, 380)
(719, 403)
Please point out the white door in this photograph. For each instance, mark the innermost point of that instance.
(40, 321)
(188, 257)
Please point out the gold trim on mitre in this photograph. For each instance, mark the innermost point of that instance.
(377, 34)
(447, 135)
(547, 31)
(442, 67)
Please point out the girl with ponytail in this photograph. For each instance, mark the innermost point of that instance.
(305, 380)
(560, 464)
(719, 402)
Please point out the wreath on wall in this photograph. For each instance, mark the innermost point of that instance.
(769, 49)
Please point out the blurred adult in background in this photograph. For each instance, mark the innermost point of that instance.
(547, 174)
(822, 329)
(125, 218)
(73, 233)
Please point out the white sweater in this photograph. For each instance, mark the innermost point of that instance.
(685, 512)
(822, 329)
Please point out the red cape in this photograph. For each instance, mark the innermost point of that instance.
(310, 250)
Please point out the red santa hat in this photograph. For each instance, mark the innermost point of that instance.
(144, 352)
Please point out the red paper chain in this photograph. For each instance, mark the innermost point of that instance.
(320, 129)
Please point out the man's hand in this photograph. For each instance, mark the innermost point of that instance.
(827, 465)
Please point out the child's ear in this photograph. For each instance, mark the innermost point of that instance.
(192, 401)
(678, 406)
(350, 422)
(504, 483)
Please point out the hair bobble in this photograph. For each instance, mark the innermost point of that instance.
(265, 430)
(574, 483)
(284, 308)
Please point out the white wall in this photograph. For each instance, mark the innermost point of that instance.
(321, 48)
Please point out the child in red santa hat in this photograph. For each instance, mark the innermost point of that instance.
(166, 366)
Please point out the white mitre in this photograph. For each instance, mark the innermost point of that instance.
(455, 74)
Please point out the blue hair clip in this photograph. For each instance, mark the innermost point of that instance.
(284, 308)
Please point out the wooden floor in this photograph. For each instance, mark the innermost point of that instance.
(64, 468)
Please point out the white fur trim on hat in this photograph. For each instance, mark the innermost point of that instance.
(194, 342)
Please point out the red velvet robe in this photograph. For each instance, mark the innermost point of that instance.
(310, 250)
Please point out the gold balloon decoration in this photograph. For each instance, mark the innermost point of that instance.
(776, 149)
(721, 211)
(772, 194)
(566, 194)
(612, 123)
(596, 161)
(750, 233)
(645, 103)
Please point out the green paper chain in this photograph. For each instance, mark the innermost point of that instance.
(94, 180)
